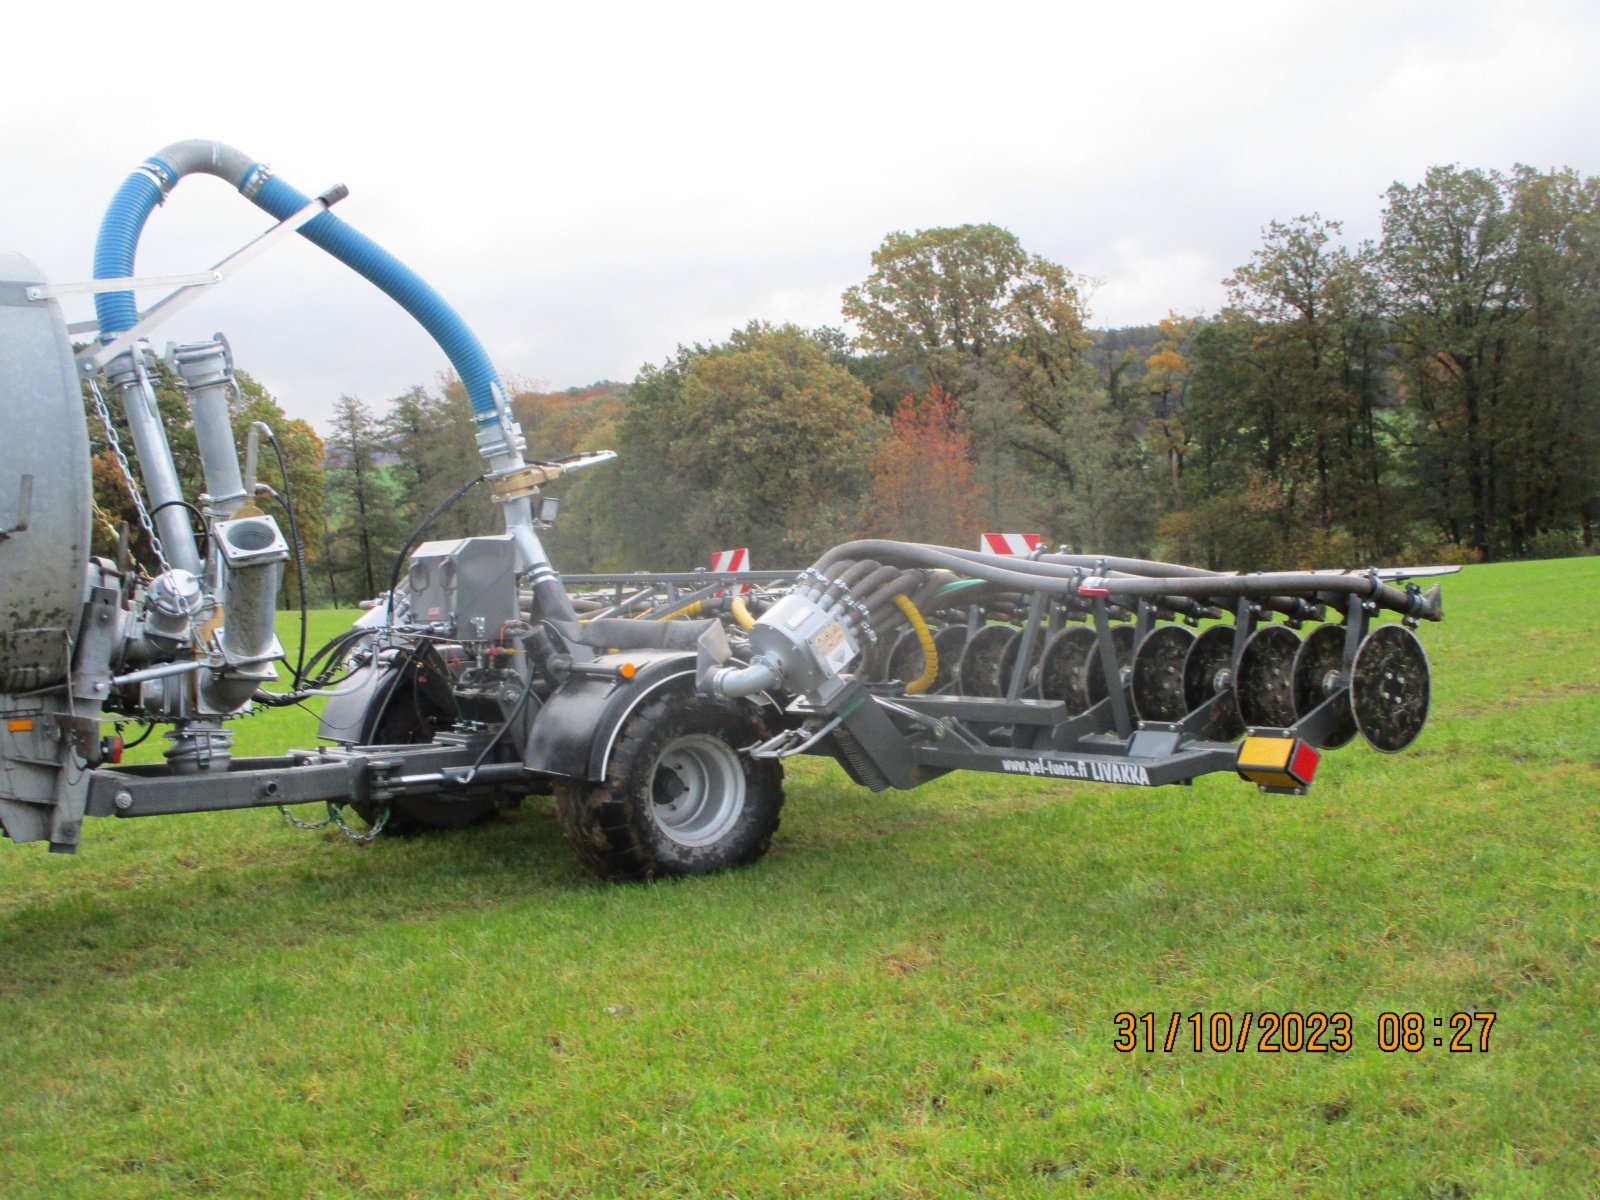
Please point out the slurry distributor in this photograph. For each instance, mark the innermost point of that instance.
(657, 707)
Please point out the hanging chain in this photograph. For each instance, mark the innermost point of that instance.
(336, 817)
(356, 835)
(127, 475)
(299, 824)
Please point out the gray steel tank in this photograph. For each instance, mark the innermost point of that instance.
(46, 490)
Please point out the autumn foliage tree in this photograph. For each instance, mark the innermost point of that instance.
(923, 488)
(302, 450)
(763, 441)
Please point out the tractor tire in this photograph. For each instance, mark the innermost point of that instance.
(678, 797)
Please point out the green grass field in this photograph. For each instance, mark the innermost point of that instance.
(913, 995)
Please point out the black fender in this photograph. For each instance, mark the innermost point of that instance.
(575, 731)
(573, 734)
(354, 715)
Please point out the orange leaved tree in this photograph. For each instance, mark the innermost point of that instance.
(922, 486)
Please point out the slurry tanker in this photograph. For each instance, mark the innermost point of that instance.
(658, 708)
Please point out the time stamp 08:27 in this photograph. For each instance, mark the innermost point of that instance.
(1300, 1032)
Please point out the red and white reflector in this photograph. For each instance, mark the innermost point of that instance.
(732, 560)
(1021, 544)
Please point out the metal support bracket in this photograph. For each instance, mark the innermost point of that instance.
(93, 359)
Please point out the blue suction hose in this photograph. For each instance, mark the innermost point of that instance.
(159, 174)
(145, 188)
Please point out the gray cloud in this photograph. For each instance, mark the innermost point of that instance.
(593, 188)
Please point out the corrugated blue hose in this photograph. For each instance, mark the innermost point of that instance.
(140, 193)
(135, 200)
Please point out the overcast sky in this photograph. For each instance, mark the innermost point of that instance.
(592, 185)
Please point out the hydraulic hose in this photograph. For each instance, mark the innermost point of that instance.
(159, 174)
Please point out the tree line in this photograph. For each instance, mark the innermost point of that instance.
(1431, 395)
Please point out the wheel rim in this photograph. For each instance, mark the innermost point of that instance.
(698, 789)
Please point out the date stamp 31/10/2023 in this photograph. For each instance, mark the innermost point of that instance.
(1299, 1032)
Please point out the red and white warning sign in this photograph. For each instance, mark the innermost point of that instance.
(732, 560)
(1010, 543)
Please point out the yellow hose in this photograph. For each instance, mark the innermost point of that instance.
(688, 610)
(930, 656)
(741, 613)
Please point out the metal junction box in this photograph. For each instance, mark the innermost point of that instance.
(468, 585)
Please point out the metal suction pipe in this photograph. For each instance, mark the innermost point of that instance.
(205, 370)
(252, 553)
(127, 374)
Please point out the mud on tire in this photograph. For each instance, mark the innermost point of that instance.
(678, 797)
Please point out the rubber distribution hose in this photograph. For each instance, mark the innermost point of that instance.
(913, 554)
(145, 188)
(1031, 575)
(864, 590)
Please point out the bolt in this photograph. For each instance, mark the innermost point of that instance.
(122, 801)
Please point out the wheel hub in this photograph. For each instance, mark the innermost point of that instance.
(697, 789)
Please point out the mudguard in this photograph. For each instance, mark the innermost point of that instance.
(353, 716)
(575, 730)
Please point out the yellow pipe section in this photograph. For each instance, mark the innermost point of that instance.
(741, 613)
(930, 656)
(688, 610)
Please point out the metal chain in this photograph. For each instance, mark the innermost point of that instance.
(356, 835)
(335, 817)
(299, 824)
(127, 475)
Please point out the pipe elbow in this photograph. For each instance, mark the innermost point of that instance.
(207, 157)
(735, 683)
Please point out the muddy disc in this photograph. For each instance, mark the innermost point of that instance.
(1208, 672)
(904, 661)
(1389, 688)
(1158, 673)
(1061, 668)
(948, 644)
(1316, 677)
(1264, 683)
(979, 671)
(1008, 664)
(1094, 676)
